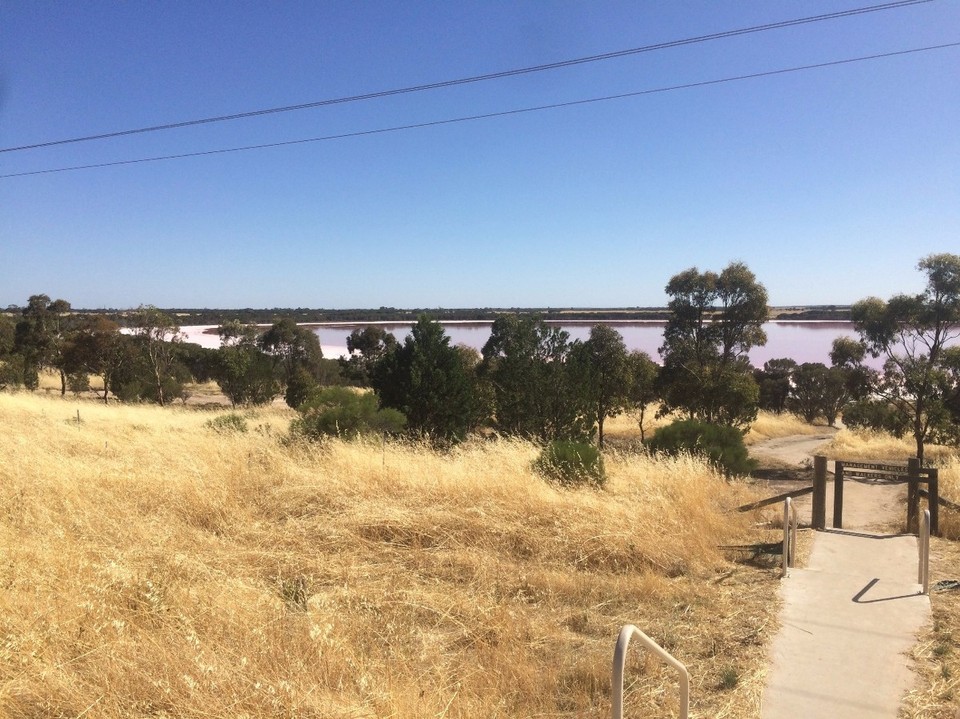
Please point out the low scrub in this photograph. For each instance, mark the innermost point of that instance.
(229, 422)
(345, 412)
(722, 446)
(571, 464)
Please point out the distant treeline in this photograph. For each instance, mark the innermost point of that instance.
(265, 316)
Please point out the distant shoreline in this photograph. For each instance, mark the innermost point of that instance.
(347, 324)
(478, 315)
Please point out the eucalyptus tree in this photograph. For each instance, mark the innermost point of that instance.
(918, 390)
(39, 337)
(365, 347)
(246, 374)
(97, 347)
(297, 357)
(158, 336)
(535, 395)
(643, 387)
(715, 319)
(603, 373)
(818, 391)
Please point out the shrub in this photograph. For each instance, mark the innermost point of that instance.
(571, 464)
(230, 422)
(12, 372)
(299, 387)
(721, 445)
(78, 382)
(344, 412)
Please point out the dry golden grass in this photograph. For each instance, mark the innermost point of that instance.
(936, 657)
(769, 426)
(866, 444)
(152, 566)
(624, 428)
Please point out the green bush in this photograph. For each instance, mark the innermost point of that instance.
(571, 464)
(344, 412)
(230, 422)
(78, 382)
(721, 445)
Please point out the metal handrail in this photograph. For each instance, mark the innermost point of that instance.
(620, 658)
(790, 523)
(923, 544)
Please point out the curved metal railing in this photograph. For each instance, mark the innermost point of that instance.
(620, 658)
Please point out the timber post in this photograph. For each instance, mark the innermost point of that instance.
(819, 511)
(838, 495)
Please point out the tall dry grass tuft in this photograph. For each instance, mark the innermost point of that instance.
(867, 444)
(949, 479)
(936, 656)
(769, 425)
(624, 428)
(153, 566)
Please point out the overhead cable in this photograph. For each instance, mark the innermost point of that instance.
(485, 116)
(481, 78)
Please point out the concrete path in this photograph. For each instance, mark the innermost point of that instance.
(848, 620)
(851, 615)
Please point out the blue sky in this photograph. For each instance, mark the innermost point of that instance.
(829, 183)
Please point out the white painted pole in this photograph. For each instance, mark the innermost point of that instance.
(620, 658)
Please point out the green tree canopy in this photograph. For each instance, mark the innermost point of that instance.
(246, 375)
(643, 387)
(40, 335)
(534, 394)
(158, 334)
(715, 321)
(603, 373)
(297, 355)
(428, 382)
(818, 391)
(366, 346)
(919, 381)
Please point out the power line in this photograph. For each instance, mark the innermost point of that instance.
(481, 78)
(504, 113)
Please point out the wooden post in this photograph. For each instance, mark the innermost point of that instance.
(819, 514)
(838, 495)
(933, 501)
(913, 495)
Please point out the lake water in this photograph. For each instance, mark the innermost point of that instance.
(800, 341)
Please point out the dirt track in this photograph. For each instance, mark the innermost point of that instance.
(866, 505)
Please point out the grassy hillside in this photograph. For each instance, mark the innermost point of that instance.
(152, 566)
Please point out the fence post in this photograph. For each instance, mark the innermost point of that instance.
(923, 541)
(913, 495)
(838, 495)
(819, 518)
(933, 501)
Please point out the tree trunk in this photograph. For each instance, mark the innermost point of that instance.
(159, 387)
(63, 383)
